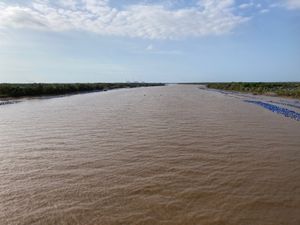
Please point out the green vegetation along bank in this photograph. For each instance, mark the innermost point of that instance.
(43, 89)
(288, 89)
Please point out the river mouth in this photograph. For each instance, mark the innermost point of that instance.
(158, 155)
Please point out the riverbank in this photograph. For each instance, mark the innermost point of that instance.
(282, 89)
(8, 91)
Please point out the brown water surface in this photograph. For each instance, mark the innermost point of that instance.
(159, 155)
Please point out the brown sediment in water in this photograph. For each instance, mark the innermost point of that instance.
(159, 155)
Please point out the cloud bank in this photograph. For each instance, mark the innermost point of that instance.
(150, 21)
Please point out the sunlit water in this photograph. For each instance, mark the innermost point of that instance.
(158, 155)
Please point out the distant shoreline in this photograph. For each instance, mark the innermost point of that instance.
(9, 91)
(280, 89)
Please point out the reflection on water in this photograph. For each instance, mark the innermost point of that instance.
(159, 155)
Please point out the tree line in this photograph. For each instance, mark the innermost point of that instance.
(287, 89)
(43, 89)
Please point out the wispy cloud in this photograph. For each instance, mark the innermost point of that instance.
(287, 4)
(151, 21)
(292, 4)
(151, 49)
(264, 11)
(246, 5)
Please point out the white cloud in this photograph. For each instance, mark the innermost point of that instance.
(246, 5)
(152, 21)
(69, 3)
(264, 11)
(292, 4)
(151, 49)
(288, 4)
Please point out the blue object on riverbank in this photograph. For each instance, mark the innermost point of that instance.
(283, 111)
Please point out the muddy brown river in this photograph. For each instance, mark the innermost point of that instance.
(173, 155)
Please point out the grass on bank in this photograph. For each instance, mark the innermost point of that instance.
(43, 89)
(285, 89)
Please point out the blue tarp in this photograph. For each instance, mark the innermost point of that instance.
(283, 111)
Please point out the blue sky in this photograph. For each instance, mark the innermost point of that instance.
(151, 41)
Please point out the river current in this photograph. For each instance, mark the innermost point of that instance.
(173, 155)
